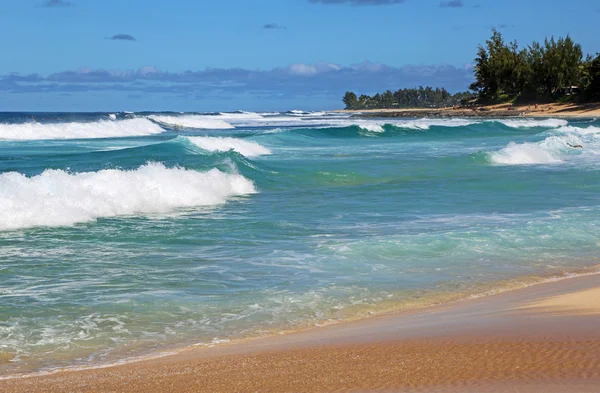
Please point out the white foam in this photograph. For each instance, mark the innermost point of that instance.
(239, 116)
(245, 148)
(551, 150)
(58, 198)
(593, 131)
(425, 124)
(193, 121)
(99, 129)
(531, 123)
(419, 124)
(112, 116)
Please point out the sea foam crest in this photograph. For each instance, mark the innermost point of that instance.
(551, 150)
(192, 121)
(425, 124)
(583, 131)
(59, 198)
(245, 148)
(99, 129)
(531, 123)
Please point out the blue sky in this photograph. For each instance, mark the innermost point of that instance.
(190, 55)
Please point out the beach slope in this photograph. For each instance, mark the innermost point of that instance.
(542, 338)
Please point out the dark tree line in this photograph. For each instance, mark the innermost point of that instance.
(549, 70)
(406, 98)
(506, 72)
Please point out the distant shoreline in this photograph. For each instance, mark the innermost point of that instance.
(500, 110)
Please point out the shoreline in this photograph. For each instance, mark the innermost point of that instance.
(358, 314)
(310, 339)
(487, 111)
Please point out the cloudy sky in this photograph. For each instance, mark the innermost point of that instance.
(193, 55)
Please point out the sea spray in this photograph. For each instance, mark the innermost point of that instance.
(192, 121)
(79, 130)
(59, 198)
(245, 148)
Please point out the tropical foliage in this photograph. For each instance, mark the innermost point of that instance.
(505, 72)
(541, 70)
(406, 98)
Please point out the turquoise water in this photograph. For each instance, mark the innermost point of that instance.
(124, 234)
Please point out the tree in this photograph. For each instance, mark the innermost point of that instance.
(407, 98)
(590, 78)
(350, 100)
(506, 70)
(387, 99)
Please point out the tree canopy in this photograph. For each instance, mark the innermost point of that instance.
(406, 98)
(504, 72)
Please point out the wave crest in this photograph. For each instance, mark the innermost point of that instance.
(551, 150)
(192, 121)
(58, 198)
(533, 123)
(92, 130)
(245, 148)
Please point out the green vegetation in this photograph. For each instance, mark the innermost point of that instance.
(406, 98)
(554, 70)
(546, 71)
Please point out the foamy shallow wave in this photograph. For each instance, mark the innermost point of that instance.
(239, 116)
(531, 123)
(192, 121)
(425, 124)
(584, 131)
(94, 130)
(245, 148)
(551, 150)
(418, 124)
(58, 198)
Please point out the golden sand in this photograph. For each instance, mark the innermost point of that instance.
(479, 345)
(578, 303)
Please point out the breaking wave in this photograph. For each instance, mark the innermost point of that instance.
(531, 123)
(59, 198)
(245, 148)
(192, 121)
(92, 130)
(551, 150)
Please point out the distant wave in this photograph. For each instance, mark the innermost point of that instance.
(582, 131)
(192, 121)
(531, 123)
(99, 129)
(239, 116)
(245, 148)
(59, 198)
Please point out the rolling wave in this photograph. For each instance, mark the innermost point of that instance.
(192, 121)
(532, 123)
(58, 198)
(91, 130)
(245, 148)
(561, 144)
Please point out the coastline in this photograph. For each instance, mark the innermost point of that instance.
(505, 322)
(499, 110)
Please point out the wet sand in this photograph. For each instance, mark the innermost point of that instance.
(544, 338)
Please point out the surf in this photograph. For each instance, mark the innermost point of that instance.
(79, 130)
(59, 198)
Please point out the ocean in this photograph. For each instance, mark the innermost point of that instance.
(134, 234)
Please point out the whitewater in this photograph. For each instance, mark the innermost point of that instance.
(129, 234)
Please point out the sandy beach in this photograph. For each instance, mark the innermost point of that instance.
(543, 338)
(500, 110)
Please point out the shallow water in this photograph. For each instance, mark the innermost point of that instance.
(127, 233)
